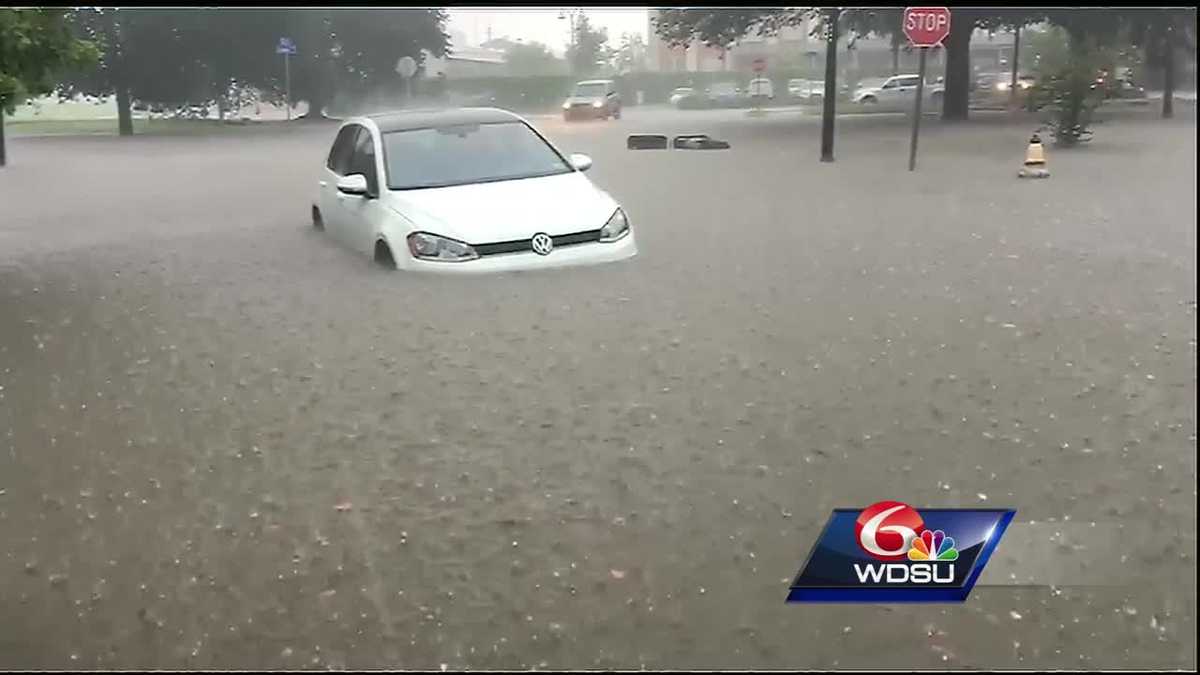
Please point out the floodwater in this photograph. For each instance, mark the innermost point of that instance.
(226, 442)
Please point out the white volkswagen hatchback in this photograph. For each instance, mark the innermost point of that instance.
(467, 190)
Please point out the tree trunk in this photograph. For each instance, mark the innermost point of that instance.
(124, 115)
(1016, 53)
(895, 55)
(830, 99)
(3, 158)
(1168, 106)
(956, 99)
(317, 100)
(117, 49)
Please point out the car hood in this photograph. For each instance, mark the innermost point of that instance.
(574, 100)
(482, 213)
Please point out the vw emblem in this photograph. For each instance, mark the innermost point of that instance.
(542, 243)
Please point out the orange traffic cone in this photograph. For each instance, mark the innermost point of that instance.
(1035, 161)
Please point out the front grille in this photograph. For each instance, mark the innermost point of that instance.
(521, 245)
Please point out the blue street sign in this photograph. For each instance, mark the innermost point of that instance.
(285, 46)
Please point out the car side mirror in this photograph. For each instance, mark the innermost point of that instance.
(581, 162)
(354, 184)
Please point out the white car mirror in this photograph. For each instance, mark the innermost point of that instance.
(354, 184)
(581, 162)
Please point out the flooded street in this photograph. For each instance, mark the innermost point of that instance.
(227, 442)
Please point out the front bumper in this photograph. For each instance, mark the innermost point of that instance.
(590, 112)
(570, 256)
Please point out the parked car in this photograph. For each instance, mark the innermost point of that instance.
(1119, 85)
(726, 95)
(896, 92)
(687, 98)
(461, 191)
(760, 88)
(593, 99)
(806, 91)
(994, 88)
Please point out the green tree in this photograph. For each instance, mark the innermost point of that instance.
(722, 27)
(35, 44)
(179, 56)
(145, 54)
(532, 58)
(1162, 33)
(354, 51)
(229, 50)
(631, 53)
(1067, 88)
(588, 47)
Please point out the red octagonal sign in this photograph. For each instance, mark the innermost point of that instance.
(926, 26)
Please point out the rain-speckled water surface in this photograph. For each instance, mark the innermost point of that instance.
(227, 442)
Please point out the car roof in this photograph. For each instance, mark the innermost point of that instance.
(408, 120)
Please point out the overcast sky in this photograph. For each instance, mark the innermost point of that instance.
(541, 24)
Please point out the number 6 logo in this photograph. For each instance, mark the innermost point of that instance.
(885, 530)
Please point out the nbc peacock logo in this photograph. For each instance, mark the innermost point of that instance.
(933, 545)
(893, 552)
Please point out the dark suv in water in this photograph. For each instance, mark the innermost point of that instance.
(593, 99)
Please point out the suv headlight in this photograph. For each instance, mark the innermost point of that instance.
(425, 246)
(597, 104)
(616, 227)
(566, 105)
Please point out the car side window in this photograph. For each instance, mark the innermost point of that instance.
(891, 84)
(339, 155)
(910, 81)
(363, 159)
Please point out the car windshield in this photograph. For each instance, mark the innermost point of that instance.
(459, 155)
(591, 90)
(872, 82)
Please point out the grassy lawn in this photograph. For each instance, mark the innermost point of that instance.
(104, 127)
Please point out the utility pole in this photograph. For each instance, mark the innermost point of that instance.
(830, 99)
(287, 82)
(570, 14)
(1012, 86)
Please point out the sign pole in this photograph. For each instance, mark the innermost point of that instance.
(287, 79)
(912, 150)
(925, 27)
(830, 98)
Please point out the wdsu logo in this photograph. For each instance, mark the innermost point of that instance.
(892, 552)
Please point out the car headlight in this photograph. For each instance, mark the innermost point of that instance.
(1002, 86)
(616, 227)
(597, 104)
(425, 246)
(566, 105)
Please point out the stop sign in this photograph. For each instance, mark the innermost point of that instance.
(926, 26)
(760, 64)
